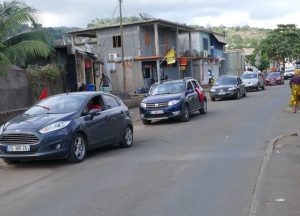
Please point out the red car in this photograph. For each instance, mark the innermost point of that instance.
(275, 78)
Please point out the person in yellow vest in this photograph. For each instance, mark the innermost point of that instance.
(295, 93)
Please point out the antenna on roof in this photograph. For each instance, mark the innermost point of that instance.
(209, 27)
(146, 16)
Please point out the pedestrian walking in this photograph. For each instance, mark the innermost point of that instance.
(295, 93)
(82, 87)
(104, 82)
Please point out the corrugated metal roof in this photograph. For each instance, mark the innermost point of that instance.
(220, 38)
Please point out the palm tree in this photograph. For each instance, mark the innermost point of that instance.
(15, 47)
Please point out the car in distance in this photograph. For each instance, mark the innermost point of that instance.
(274, 78)
(253, 81)
(66, 126)
(173, 99)
(288, 73)
(228, 86)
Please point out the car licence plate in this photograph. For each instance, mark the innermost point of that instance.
(157, 112)
(221, 93)
(18, 148)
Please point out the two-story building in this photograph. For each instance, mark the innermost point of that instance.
(207, 53)
(146, 44)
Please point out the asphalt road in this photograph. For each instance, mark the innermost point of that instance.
(207, 166)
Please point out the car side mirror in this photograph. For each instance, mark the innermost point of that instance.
(146, 95)
(94, 112)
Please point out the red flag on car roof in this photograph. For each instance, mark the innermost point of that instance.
(44, 94)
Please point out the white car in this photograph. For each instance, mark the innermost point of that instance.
(289, 73)
(253, 81)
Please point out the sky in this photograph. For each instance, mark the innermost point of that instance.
(255, 13)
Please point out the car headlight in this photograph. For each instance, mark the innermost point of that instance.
(231, 89)
(143, 105)
(55, 126)
(213, 90)
(173, 102)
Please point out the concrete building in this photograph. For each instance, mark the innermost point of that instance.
(146, 43)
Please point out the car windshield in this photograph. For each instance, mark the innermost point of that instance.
(274, 75)
(167, 88)
(226, 81)
(57, 105)
(249, 76)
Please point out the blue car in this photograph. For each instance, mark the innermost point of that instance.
(66, 126)
(173, 99)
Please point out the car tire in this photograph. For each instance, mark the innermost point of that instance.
(127, 138)
(263, 87)
(10, 161)
(237, 94)
(258, 87)
(203, 110)
(185, 113)
(78, 149)
(146, 121)
(212, 99)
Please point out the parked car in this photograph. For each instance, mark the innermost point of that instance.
(275, 78)
(253, 81)
(66, 126)
(173, 99)
(228, 87)
(289, 73)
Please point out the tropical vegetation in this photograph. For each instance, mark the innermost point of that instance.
(16, 47)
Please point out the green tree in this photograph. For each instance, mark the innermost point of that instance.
(280, 43)
(16, 47)
(103, 22)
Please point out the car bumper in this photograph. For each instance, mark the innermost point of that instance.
(160, 113)
(274, 82)
(50, 146)
(227, 94)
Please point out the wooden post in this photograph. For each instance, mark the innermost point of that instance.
(157, 50)
(122, 47)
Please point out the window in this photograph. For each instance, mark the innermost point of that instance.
(205, 43)
(111, 102)
(189, 86)
(117, 41)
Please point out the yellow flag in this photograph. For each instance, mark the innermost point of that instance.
(171, 56)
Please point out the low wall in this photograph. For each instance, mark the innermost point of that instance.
(5, 116)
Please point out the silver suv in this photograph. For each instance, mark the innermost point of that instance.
(253, 81)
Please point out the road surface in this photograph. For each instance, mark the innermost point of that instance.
(207, 166)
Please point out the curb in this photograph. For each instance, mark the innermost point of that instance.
(266, 158)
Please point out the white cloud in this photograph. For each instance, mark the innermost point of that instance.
(258, 13)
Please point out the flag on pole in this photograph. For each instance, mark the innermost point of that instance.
(44, 94)
(171, 56)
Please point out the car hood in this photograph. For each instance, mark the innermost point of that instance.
(162, 98)
(36, 121)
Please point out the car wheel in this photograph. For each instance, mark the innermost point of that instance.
(203, 110)
(10, 161)
(77, 149)
(263, 87)
(127, 139)
(146, 122)
(212, 99)
(258, 87)
(185, 113)
(237, 95)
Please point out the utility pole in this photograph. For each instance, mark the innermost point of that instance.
(122, 47)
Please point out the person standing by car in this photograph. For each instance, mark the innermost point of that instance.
(295, 94)
(104, 82)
